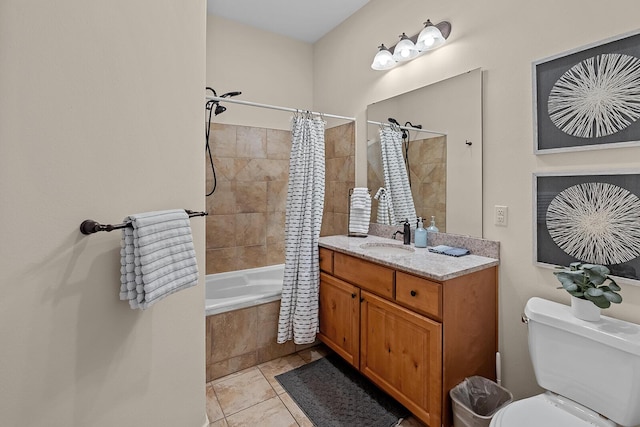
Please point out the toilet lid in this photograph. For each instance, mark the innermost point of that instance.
(539, 411)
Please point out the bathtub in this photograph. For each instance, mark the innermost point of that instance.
(242, 288)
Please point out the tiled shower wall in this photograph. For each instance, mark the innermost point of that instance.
(245, 226)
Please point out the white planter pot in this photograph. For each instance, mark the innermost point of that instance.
(585, 309)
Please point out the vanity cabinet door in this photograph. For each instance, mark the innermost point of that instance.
(401, 352)
(339, 314)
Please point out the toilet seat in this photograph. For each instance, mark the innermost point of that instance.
(550, 410)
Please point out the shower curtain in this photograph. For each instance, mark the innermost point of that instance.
(305, 202)
(396, 180)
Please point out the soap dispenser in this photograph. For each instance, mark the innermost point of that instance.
(432, 227)
(421, 235)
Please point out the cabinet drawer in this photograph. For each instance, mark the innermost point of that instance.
(326, 260)
(419, 294)
(365, 274)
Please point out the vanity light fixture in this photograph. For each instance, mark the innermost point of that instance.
(405, 50)
(431, 37)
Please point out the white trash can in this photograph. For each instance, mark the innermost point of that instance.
(476, 400)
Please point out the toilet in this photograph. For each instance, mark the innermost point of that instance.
(591, 371)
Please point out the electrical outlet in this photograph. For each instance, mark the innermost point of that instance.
(500, 215)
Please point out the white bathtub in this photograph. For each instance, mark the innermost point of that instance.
(242, 288)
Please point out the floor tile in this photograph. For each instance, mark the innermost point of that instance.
(242, 391)
(279, 366)
(295, 410)
(219, 423)
(314, 353)
(214, 411)
(270, 413)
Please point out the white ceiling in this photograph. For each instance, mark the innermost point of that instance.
(305, 20)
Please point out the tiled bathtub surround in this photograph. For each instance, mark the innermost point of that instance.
(239, 339)
(340, 177)
(245, 226)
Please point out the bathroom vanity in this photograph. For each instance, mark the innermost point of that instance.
(413, 322)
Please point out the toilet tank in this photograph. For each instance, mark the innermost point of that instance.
(596, 364)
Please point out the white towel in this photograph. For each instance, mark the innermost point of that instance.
(385, 207)
(360, 211)
(157, 257)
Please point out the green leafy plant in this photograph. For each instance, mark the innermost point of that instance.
(589, 281)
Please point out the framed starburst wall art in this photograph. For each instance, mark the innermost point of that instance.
(593, 218)
(588, 98)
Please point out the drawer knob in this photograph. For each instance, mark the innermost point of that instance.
(413, 293)
(353, 295)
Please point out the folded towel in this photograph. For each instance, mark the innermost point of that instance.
(449, 250)
(360, 198)
(157, 257)
(360, 211)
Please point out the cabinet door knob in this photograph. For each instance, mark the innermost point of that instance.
(413, 293)
(353, 295)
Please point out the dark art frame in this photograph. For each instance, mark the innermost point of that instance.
(547, 137)
(548, 185)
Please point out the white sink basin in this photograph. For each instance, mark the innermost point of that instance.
(387, 249)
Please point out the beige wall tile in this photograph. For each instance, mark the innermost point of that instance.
(344, 140)
(251, 142)
(277, 196)
(221, 260)
(275, 253)
(251, 197)
(222, 140)
(278, 144)
(233, 333)
(264, 170)
(220, 231)
(251, 256)
(223, 199)
(275, 228)
(250, 229)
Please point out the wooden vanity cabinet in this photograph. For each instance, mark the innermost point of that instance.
(415, 338)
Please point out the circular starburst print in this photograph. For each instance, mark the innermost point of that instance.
(596, 222)
(597, 97)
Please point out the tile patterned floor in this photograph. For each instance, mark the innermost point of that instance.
(253, 397)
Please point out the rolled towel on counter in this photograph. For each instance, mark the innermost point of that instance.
(449, 250)
(157, 257)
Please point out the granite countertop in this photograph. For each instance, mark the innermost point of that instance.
(421, 262)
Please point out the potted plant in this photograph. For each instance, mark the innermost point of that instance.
(591, 289)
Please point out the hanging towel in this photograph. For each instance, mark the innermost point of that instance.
(157, 257)
(359, 210)
(385, 208)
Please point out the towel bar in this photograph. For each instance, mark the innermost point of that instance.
(90, 226)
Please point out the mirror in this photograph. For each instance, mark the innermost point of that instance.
(445, 170)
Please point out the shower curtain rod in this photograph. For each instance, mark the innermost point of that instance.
(275, 107)
(407, 128)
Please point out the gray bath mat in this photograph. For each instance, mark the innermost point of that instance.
(334, 394)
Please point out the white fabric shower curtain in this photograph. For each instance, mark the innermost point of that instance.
(396, 181)
(305, 202)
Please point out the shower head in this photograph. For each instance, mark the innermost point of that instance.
(220, 109)
(394, 121)
(413, 126)
(230, 94)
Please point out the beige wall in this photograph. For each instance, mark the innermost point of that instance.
(100, 116)
(267, 68)
(503, 38)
